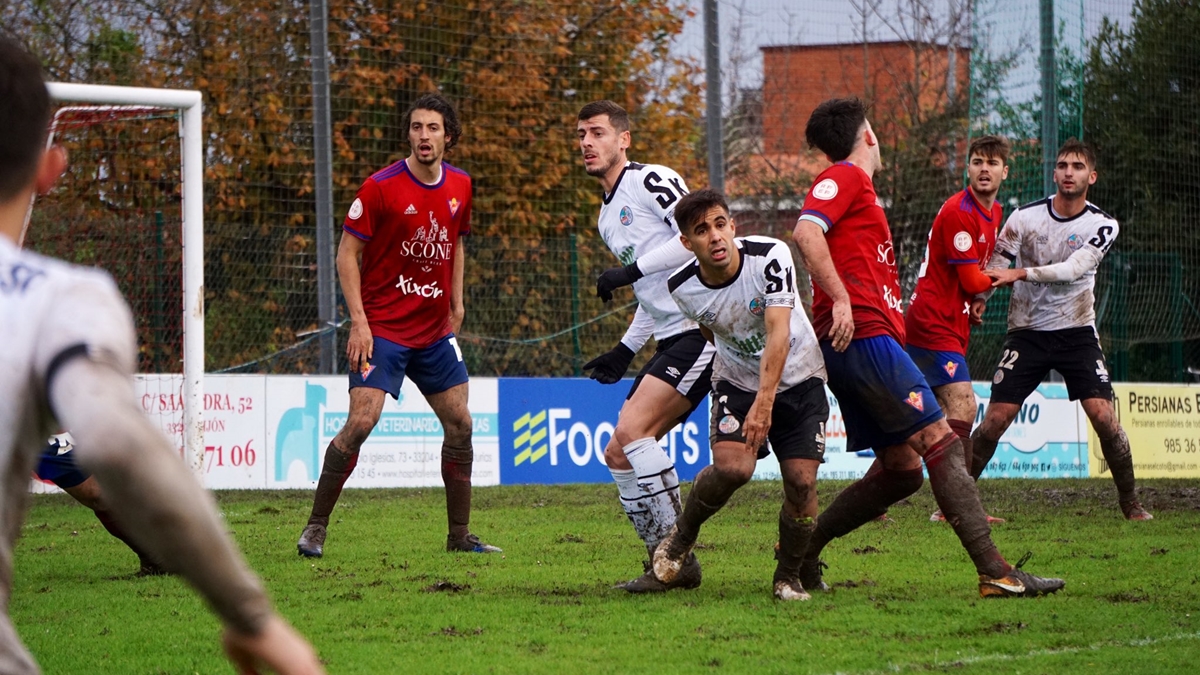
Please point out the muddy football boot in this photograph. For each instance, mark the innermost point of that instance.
(1018, 584)
(810, 575)
(312, 541)
(470, 544)
(671, 555)
(1133, 511)
(689, 577)
(790, 590)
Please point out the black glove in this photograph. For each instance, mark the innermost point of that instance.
(610, 366)
(612, 279)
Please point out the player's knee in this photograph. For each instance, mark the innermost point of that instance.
(355, 432)
(458, 432)
(614, 453)
(735, 473)
(458, 454)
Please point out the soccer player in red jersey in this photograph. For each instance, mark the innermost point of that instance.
(406, 304)
(944, 303)
(886, 404)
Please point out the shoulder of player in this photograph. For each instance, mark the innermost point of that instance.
(391, 171)
(842, 173)
(454, 171)
(58, 278)
(689, 270)
(1096, 211)
(756, 245)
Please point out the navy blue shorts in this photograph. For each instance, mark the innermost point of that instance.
(939, 368)
(59, 469)
(883, 397)
(433, 369)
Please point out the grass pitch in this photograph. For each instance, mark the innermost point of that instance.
(387, 599)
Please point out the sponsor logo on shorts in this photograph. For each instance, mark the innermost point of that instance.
(673, 372)
(916, 400)
(962, 242)
(366, 372)
(626, 216)
(999, 377)
(826, 189)
(356, 210)
(729, 425)
(410, 287)
(1101, 370)
(757, 307)
(820, 438)
(950, 368)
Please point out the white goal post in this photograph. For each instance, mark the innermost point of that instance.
(189, 105)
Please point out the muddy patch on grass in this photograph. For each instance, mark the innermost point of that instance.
(850, 583)
(451, 631)
(445, 587)
(1127, 596)
(866, 550)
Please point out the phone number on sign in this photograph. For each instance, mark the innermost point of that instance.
(1179, 445)
(237, 455)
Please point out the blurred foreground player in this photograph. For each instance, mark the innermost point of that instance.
(1057, 244)
(944, 303)
(400, 263)
(637, 223)
(57, 465)
(768, 382)
(77, 374)
(844, 237)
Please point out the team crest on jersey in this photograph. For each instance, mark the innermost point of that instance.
(916, 400)
(950, 368)
(728, 425)
(1075, 242)
(826, 189)
(453, 206)
(356, 210)
(962, 242)
(757, 306)
(626, 216)
(367, 371)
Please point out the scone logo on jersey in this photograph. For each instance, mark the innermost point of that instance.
(429, 244)
(556, 430)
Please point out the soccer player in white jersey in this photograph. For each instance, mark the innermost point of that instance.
(1057, 244)
(768, 381)
(77, 374)
(636, 222)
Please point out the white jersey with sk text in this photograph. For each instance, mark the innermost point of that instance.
(50, 312)
(1036, 236)
(638, 217)
(735, 313)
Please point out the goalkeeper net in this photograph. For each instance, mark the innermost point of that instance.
(129, 204)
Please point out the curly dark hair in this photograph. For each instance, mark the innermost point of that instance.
(24, 117)
(833, 126)
(438, 104)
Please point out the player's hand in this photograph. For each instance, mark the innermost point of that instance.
(614, 278)
(277, 648)
(978, 305)
(842, 331)
(610, 367)
(360, 347)
(757, 424)
(1005, 277)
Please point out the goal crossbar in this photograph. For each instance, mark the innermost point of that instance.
(190, 106)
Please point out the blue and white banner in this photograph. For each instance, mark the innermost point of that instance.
(554, 430)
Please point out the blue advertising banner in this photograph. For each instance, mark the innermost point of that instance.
(1048, 439)
(554, 430)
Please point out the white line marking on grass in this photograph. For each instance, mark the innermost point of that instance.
(1034, 654)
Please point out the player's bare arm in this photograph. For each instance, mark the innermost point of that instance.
(169, 513)
(815, 250)
(770, 372)
(360, 347)
(458, 309)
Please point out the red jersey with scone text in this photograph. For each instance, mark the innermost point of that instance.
(842, 201)
(962, 234)
(412, 232)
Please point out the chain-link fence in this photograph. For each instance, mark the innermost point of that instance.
(1126, 78)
